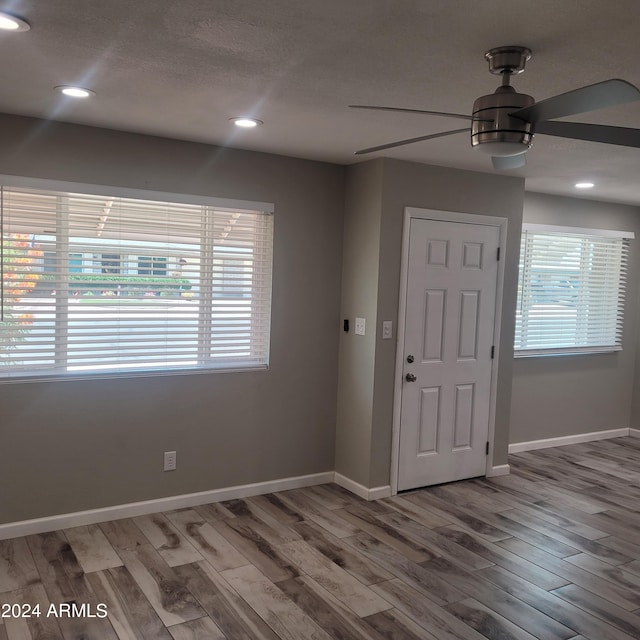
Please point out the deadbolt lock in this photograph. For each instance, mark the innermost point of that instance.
(410, 358)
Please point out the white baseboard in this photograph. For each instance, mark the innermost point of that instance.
(545, 443)
(499, 470)
(360, 490)
(67, 520)
(92, 516)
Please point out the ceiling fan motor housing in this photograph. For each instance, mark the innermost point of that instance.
(494, 131)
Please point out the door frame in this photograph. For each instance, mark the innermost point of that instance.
(443, 216)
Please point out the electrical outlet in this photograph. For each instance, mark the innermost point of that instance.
(387, 330)
(169, 460)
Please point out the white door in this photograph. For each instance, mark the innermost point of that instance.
(452, 279)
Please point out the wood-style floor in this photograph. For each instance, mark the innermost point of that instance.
(550, 552)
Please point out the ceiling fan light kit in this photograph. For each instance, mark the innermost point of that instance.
(504, 122)
(496, 132)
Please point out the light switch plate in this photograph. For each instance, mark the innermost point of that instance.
(359, 329)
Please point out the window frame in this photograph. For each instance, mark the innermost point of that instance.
(267, 208)
(585, 235)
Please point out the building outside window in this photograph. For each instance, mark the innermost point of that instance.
(152, 266)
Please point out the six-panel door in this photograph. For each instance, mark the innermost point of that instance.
(449, 330)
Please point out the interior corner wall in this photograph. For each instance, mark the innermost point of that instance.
(571, 395)
(84, 444)
(361, 247)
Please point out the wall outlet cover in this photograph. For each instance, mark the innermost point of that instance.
(170, 461)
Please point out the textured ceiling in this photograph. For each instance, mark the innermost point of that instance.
(182, 68)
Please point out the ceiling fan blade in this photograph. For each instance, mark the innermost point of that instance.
(400, 143)
(402, 110)
(623, 136)
(595, 96)
(503, 163)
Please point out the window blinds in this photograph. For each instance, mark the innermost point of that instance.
(571, 290)
(98, 283)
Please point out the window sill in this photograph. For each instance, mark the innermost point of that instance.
(550, 353)
(103, 375)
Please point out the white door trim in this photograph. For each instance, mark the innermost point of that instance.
(443, 216)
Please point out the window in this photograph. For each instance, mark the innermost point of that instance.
(75, 263)
(570, 290)
(152, 266)
(110, 263)
(94, 283)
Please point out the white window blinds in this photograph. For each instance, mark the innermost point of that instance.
(98, 283)
(571, 290)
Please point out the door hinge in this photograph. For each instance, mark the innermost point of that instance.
(486, 451)
(498, 255)
(493, 352)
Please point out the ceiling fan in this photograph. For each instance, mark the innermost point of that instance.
(503, 123)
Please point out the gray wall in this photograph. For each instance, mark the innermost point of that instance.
(409, 184)
(74, 445)
(85, 444)
(361, 250)
(561, 396)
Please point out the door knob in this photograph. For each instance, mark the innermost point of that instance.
(410, 377)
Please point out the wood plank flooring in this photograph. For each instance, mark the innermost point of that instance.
(551, 552)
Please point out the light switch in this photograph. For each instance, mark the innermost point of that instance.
(387, 329)
(359, 330)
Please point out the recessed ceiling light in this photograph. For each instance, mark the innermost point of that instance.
(75, 92)
(584, 185)
(246, 123)
(13, 23)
